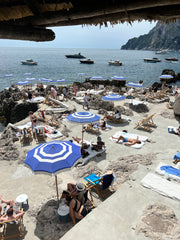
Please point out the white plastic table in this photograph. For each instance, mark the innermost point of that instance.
(63, 211)
(21, 199)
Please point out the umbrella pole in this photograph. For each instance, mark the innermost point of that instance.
(82, 134)
(56, 187)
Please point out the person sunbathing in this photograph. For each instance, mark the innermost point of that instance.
(127, 141)
(77, 139)
(11, 214)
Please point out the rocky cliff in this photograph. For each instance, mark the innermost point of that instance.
(162, 36)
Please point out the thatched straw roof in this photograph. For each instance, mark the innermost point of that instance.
(28, 19)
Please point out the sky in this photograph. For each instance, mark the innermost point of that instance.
(111, 37)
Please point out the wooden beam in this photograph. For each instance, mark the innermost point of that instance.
(26, 33)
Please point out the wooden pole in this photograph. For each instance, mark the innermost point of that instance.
(57, 187)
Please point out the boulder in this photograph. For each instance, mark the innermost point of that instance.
(176, 106)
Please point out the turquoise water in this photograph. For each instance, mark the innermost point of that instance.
(53, 64)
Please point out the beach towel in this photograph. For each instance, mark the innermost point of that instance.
(130, 135)
(27, 125)
(108, 127)
(172, 129)
(51, 132)
(168, 171)
(162, 185)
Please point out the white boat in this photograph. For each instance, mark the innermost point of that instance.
(115, 63)
(87, 61)
(162, 52)
(28, 62)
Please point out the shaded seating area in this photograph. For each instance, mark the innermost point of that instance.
(11, 229)
(100, 183)
(146, 123)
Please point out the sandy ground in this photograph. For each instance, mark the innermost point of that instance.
(16, 178)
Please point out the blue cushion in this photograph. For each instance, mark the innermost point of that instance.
(93, 177)
(171, 170)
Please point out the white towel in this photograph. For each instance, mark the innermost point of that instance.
(130, 135)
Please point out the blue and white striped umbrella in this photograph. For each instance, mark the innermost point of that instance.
(53, 156)
(23, 83)
(97, 78)
(83, 117)
(118, 78)
(134, 84)
(30, 79)
(166, 76)
(113, 97)
(9, 75)
(61, 80)
(81, 74)
(27, 74)
(46, 80)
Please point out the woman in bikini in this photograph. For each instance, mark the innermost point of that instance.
(127, 141)
(76, 209)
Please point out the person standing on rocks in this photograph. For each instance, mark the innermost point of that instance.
(34, 120)
(85, 103)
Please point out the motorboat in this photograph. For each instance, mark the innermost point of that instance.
(87, 61)
(115, 63)
(75, 56)
(28, 62)
(161, 52)
(152, 60)
(172, 59)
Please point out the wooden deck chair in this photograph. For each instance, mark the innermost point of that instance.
(114, 120)
(39, 134)
(146, 123)
(25, 136)
(12, 229)
(100, 183)
(89, 203)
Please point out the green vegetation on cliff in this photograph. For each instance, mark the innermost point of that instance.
(162, 36)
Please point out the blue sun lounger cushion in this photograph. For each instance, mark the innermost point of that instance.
(171, 170)
(177, 156)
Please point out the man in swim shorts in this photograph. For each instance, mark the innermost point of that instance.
(127, 141)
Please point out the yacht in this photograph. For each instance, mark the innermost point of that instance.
(87, 61)
(172, 59)
(75, 56)
(152, 60)
(28, 62)
(115, 63)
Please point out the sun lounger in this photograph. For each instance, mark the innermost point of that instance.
(162, 186)
(168, 171)
(130, 135)
(90, 128)
(146, 123)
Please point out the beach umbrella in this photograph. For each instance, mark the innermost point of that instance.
(9, 75)
(46, 79)
(118, 78)
(166, 76)
(23, 83)
(97, 78)
(61, 80)
(113, 97)
(83, 117)
(27, 74)
(52, 157)
(30, 79)
(134, 84)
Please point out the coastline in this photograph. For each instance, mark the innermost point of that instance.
(125, 207)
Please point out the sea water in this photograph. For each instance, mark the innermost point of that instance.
(53, 64)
